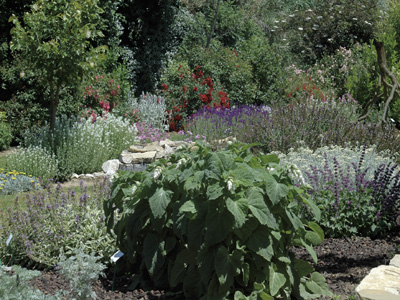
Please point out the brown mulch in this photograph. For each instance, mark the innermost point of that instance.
(343, 262)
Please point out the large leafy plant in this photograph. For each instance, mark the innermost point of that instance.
(216, 225)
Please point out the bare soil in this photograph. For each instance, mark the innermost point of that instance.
(343, 262)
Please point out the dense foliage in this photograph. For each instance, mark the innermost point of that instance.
(216, 225)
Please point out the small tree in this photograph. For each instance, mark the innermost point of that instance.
(54, 38)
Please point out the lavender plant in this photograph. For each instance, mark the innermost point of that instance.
(55, 223)
(283, 127)
(15, 182)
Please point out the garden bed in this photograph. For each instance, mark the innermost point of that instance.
(343, 262)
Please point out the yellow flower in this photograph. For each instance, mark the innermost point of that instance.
(2, 184)
(1, 188)
(29, 175)
(32, 180)
(13, 178)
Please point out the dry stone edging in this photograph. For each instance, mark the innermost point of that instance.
(382, 282)
(138, 157)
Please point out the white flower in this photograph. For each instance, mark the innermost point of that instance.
(270, 169)
(230, 184)
(134, 188)
(300, 28)
(157, 173)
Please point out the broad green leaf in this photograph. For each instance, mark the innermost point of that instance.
(276, 280)
(260, 242)
(239, 296)
(260, 209)
(243, 175)
(317, 229)
(296, 222)
(188, 206)
(246, 273)
(218, 225)
(221, 264)
(152, 249)
(159, 202)
(238, 209)
(313, 238)
(214, 191)
(270, 158)
(303, 267)
(180, 264)
(275, 191)
(310, 250)
(307, 200)
(227, 162)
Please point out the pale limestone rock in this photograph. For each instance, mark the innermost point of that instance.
(147, 157)
(168, 150)
(110, 167)
(74, 176)
(377, 295)
(161, 154)
(126, 157)
(166, 142)
(395, 262)
(385, 279)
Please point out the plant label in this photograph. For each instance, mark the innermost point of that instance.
(9, 239)
(117, 256)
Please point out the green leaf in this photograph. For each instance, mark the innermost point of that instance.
(260, 242)
(214, 191)
(246, 273)
(152, 249)
(315, 210)
(188, 206)
(260, 209)
(239, 296)
(276, 280)
(221, 264)
(275, 191)
(310, 250)
(313, 238)
(219, 223)
(238, 209)
(270, 158)
(317, 229)
(296, 222)
(243, 175)
(159, 202)
(303, 267)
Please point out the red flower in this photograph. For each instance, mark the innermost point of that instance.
(165, 87)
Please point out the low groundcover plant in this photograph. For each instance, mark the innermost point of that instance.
(14, 182)
(216, 225)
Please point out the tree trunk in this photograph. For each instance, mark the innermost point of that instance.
(54, 96)
(213, 25)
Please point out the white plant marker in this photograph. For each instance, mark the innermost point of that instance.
(117, 255)
(9, 239)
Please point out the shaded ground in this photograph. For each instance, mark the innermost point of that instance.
(343, 262)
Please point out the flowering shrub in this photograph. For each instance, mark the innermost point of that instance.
(34, 160)
(301, 86)
(82, 146)
(55, 223)
(101, 94)
(146, 133)
(14, 182)
(192, 90)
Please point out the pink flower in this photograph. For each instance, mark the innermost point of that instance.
(117, 86)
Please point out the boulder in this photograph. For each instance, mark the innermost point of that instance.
(383, 282)
(110, 167)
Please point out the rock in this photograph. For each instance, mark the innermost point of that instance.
(168, 150)
(126, 157)
(110, 167)
(146, 148)
(74, 176)
(395, 261)
(147, 157)
(380, 283)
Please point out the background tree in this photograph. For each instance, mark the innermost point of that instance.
(54, 39)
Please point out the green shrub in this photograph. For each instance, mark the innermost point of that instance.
(5, 136)
(35, 161)
(82, 146)
(16, 182)
(216, 225)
